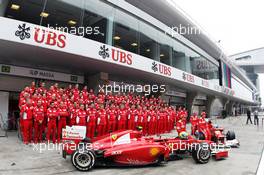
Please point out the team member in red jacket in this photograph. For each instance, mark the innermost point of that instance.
(101, 121)
(73, 113)
(145, 120)
(133, 113)
(27, 120)
(81, 116)
(111, 114)
(62, 119)
(151, 121)
(38, 115)
(52, 114)
(180, 126)
(194, 122)
(91, 121)
(122, 118)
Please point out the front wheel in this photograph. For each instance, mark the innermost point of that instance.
(230, 135)
(201, 153)
(83, 160)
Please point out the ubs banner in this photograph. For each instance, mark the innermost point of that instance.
(30, 34)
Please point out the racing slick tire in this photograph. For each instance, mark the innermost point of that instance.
(83, 160)
(201, 153)
(230, 135)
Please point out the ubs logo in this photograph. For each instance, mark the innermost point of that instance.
(160, 68)
(104, 52)
(23, 32)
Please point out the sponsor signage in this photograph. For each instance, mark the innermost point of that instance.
(42, 36)
(116, 55)
(42, 74)
(30, 34)
(161, 68)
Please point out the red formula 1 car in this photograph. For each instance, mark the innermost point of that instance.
(128, 148)
(207, 131)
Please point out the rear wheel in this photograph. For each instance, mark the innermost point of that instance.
(201, 153)
(230, 135)
(83, 160)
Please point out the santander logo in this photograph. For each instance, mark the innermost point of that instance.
(49, 38)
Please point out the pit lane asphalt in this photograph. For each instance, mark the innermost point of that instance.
(19, 159)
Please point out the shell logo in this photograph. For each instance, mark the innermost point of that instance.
(114, 137)
(154, 151)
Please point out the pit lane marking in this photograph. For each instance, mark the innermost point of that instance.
(260, 170)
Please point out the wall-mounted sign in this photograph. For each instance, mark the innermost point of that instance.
(42, 74)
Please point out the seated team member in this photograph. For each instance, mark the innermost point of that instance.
(81, 116)
(62, 119)
(38, 115)
(27, 121)
(52, 115)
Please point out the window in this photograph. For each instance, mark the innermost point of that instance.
(125, 34)
(98, 21)
(63, 15)
(165, 49)
(26, 10)
(148, 41)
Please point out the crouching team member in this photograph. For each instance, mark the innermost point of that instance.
(38, 115)
(26, 116)
(91, 121)
(52, 114)
(62, 119)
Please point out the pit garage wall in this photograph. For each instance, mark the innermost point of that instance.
(68, 43)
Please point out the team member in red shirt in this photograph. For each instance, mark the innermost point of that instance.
(180, 126)
(145, 120)
(91, 121)
(132, 117)
(194, 122)
(122, 118)
(52, 114)
(27, 121)
(81, 116)
(73, 113)
(111, 114)
(101, 121)
(151, 121)
(38, 115)
(62, 119)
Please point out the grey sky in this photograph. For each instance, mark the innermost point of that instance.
(238, 24)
